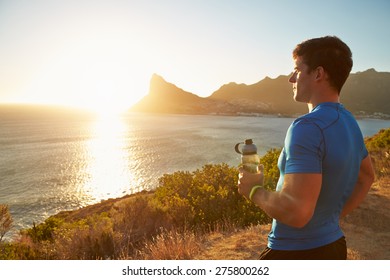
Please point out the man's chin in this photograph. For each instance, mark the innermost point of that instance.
(299, 99)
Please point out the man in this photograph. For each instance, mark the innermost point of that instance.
(325, 169)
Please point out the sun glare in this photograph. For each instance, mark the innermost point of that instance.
(107, 110)
(108, 168)
(105, 99)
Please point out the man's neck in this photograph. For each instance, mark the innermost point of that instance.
(329, 98)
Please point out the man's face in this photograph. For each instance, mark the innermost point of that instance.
(302, 80)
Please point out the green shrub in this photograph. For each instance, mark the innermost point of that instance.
(6, 220)
(379, 148)
(19, 251)
(43, 231)
(379, 141)
(135, 220)
(90, 238)
(206, 197)
(271, 170)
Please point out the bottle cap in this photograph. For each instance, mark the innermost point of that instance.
(249, 148)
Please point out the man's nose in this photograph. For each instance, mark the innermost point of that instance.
(292, 78)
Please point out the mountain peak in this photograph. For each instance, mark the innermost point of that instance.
(157, 77)
(160, 86)
(368, 71)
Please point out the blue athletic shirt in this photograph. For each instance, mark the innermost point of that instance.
(327, 140)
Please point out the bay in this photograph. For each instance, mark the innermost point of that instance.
(54, 160)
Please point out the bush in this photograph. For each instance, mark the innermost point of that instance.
(206, 197)
(379, 148)
(379, 141)
(90, 238)
(6, 220)
(43, 231)
(19, 251)
(271, 170)
(135, 220)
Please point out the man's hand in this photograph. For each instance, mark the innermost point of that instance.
(247, 180)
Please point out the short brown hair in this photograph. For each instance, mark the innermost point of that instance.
(330, 53)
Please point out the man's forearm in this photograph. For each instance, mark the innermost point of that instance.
(363, 185)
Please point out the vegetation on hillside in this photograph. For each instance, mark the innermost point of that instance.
(379, 148)
(5, 220)
(168, 223)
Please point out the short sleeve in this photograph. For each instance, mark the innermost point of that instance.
(304, 148)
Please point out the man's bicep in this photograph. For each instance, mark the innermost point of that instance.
(304, 190)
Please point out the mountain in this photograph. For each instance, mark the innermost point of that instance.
(364, 93)
(269, 96)
(164, 97)
(367, 93)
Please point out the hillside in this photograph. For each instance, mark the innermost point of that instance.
(367, 93)
(269, 96)
(364, 94)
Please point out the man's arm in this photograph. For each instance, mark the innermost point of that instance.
(365, 179)
(294, 205)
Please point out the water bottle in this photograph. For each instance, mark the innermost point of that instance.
(250, 160)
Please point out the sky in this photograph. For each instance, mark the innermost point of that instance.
(101, 55)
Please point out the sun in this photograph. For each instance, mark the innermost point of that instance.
(107, 106)
(103, 97)
(108, 110)
(106, 99)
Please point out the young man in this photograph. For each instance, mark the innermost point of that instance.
(325, 169)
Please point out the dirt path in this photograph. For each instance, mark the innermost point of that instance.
(368, 228)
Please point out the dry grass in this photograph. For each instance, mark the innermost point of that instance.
(172, 245)
(245, 244)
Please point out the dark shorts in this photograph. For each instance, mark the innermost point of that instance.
(334, 251)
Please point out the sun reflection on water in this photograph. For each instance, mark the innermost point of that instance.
(108, 172)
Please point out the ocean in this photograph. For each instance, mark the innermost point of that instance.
(54, 159)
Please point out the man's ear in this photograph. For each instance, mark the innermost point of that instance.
(320, 73)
